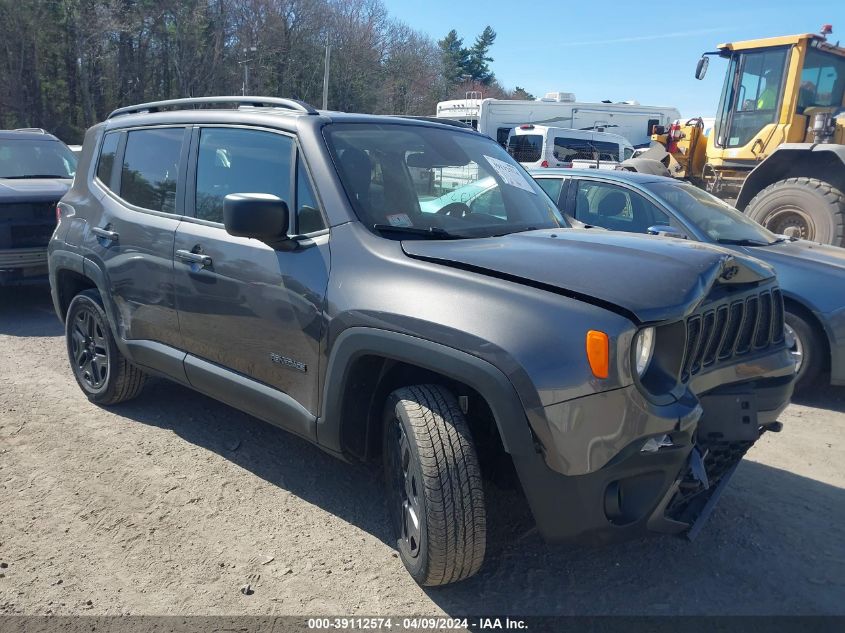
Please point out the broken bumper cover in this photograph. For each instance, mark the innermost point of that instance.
(663, 477)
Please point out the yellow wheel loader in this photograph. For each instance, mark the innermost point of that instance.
(777, 147)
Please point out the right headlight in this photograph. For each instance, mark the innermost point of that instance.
(643, 350)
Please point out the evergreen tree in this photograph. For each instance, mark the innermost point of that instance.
(455, 57)
(522, 93)
(478, 67)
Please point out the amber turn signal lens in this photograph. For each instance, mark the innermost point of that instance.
(598, 353)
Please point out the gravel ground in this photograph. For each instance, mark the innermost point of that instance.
(171, 503)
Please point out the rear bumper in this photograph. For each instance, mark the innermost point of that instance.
(16, 258)
(21, 265)
(637, 492)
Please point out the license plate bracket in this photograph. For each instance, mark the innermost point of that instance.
(729, 416)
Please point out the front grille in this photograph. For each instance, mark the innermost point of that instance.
(734, 328)
(26, 225)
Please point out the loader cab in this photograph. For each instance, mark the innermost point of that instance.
(772, 90)
(751, 96)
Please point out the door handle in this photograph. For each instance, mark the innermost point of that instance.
(194, 258)
(111, 236)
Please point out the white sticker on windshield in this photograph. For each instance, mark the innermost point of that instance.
(399, 219)
(509, 174)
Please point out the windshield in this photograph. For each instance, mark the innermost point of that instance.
(25, 158)
(424, 182)
(718, 220)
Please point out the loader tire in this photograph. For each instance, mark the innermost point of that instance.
(806, 208)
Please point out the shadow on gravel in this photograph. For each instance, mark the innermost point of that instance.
(28, 311)
(775, 538)
(350, 491)
(823, 397)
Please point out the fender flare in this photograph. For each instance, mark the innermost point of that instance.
(96, 274)
(780, 165)
(356, 342)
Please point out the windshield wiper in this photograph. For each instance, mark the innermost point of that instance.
(31, 176)
(522, 230)
(745, 242)
(432, 232)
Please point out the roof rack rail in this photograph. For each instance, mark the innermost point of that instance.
(191, 102)
(434, 119)
(35, 130)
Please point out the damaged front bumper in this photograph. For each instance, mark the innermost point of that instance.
(660, 470)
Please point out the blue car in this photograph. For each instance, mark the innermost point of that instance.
(811, 275)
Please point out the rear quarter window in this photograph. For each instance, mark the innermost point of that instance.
(105, 163)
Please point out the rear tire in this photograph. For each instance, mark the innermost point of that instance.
(435, 495)
(102, 372)
(801, 207)
(806, 348)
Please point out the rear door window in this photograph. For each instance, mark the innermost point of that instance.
(150, 166)
(526, 148)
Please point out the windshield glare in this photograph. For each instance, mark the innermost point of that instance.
(448, 182)
(24, 158)
(713, 217)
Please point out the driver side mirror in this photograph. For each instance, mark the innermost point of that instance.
(667, 231)
(701, 67)
(260, 216)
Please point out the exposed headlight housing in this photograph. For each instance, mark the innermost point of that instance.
(643, 350)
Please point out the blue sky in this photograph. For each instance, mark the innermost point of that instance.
(618, 50)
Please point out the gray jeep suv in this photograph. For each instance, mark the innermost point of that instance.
(396, 288)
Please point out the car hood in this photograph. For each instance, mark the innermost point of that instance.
(35, 190)
(645, 278)
(801, 253)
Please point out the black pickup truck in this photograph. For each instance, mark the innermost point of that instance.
(36, 170)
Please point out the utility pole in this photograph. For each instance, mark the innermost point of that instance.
(245, 64)
(326, 78)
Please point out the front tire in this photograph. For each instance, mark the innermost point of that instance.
(806, 348)
(102, 372)
(434, 486)
(807, 208)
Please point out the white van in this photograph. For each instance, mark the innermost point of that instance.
(544, 146)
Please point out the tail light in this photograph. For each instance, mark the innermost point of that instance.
(545, 163)
(62, 211)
